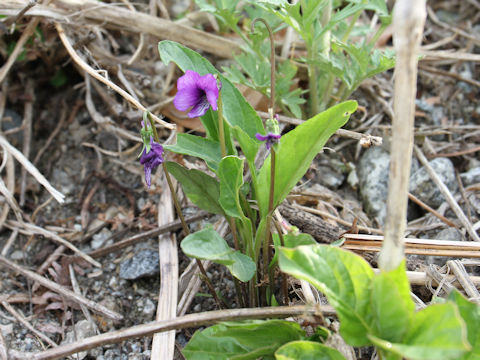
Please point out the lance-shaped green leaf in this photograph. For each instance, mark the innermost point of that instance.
(470, 313)
(436, 332)
(207, 244)
(245, 340)
(297, 150)
(343, 277)
(230, 173)
(202, 189)
(392, 305)
(236, 110)
(307, 350)
(200, 147)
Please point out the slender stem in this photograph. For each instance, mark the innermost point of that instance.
(284, 276)
(272, 62)
(176, 203)
(221, 130)
(268, 235)
(351, 25)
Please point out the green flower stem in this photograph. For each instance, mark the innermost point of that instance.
(176, 203)
(268, 234)
(377, 35)
(221, 130)
(351, 25)
(284, 276)
(272, 62)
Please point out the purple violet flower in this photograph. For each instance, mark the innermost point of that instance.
(196, 92)
(269, 139)
(151, 159)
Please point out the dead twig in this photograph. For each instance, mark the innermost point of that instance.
(31, 169)
(27, 135)
(187, 321)
(408, 21)
(463, 278)
(32, 229)
(163, 344)
(429, 209)
(18, 47)
(21, 319)
(447, 194)
(68, 294)
(80, 62)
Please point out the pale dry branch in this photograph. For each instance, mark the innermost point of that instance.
(447, 194)
(80, 62)
(31, 169)
(68, 294)
(21, 319)
(187, 321)
(408, 21)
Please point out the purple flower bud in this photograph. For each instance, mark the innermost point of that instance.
(196, 92)
(151, 159)
(269, 139)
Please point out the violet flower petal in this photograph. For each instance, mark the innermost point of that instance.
(186, 98)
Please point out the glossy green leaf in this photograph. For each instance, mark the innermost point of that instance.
(200, 147)
(207, 244)
(470, 313)
(307, 350)
(436, 332)
(230, 173)
(392, 305)
(247, 144)
(202, 189)
(236, 110)
(343, 277)
(242, 340)
(297, 151)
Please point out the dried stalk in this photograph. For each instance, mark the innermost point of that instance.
(68, 294)
(163, 344)
(408, 21)
(80, 62)
(187, 321)
(31, 169)
(447, 194)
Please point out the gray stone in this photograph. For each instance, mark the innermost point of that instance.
(99, 239)
(422, 186)
(143, 263)
(471, 177)
(83, 329)
(328, 177)
(372, 173)
(450, 234)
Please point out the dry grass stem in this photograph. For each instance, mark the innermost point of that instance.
(32, 229)
(68, 294)
(372, 243)
(463, 278)
(408, 21)
(163, 344)
(21, 319)
(447, 194)
(187, 321)
(31, 169)
(80, 62)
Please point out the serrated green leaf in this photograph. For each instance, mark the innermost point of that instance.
(297, 151)
(392, 305)
(307, 350)
(242, 340)
(202, 189)
(470, 313)
(343, 277)
(202, 148)
(207, 244)
(436, 332)
(236, 110)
